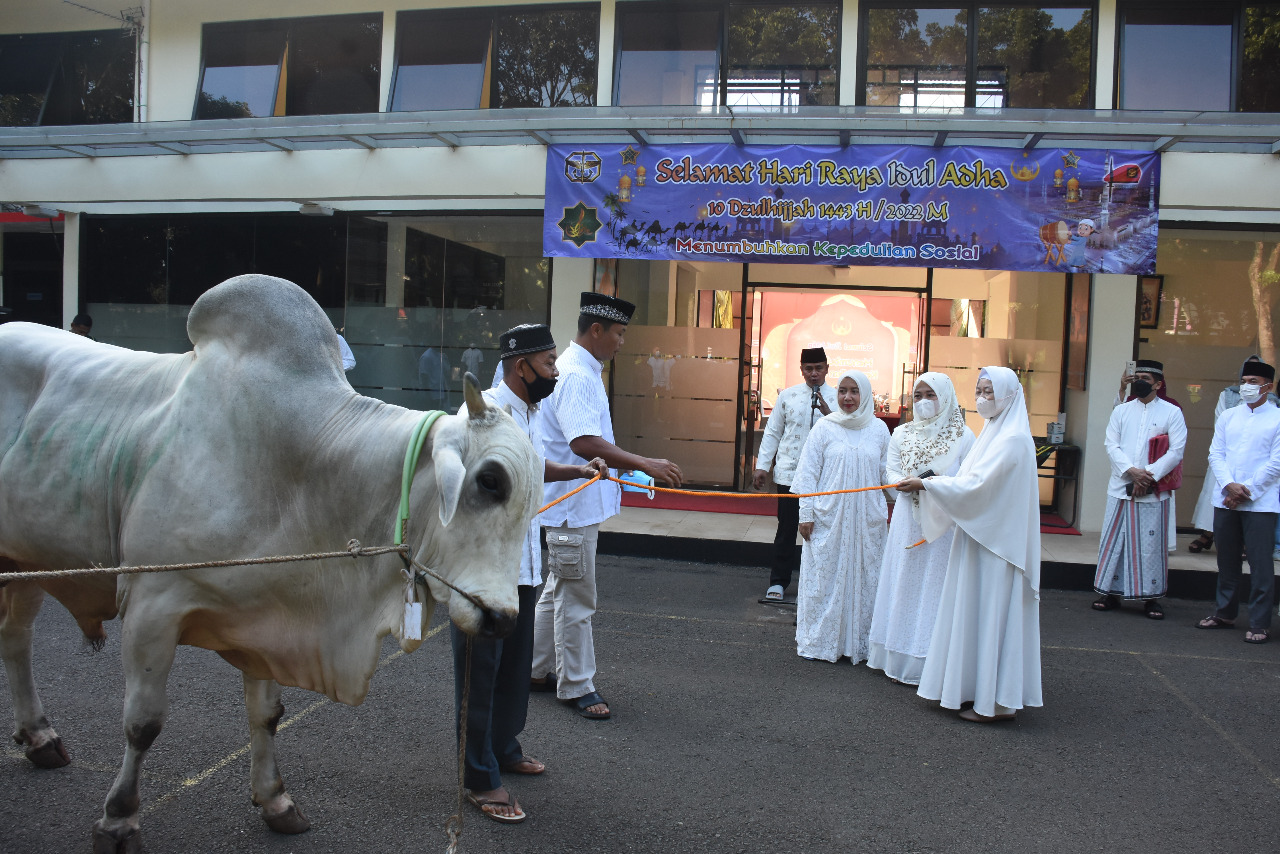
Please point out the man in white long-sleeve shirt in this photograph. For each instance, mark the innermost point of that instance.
(1244, 460)
(794, 413)
(1133, 563)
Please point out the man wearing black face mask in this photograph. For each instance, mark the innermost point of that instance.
(500, 669)
(1133, 559)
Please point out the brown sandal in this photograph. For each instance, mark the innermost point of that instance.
(1202, 543)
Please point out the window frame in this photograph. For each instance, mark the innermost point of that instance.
(287, 25)
(722, 43)
(1237, 7)
(489, 94)
(971, 37)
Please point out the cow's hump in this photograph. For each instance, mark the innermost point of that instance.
(265, 315)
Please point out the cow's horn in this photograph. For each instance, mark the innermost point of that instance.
(475, 400)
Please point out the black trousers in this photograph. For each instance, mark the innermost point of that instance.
(1233, 532)
(500, 671)
(786, 554)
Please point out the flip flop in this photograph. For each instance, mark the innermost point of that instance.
(1213, 621)
(1259, 636)
(526, 765)
(587, 701)
(481, 802)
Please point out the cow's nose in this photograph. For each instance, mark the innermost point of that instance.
(497, 624)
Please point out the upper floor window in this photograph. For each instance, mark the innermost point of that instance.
(524, 56)
(299, 67)
(990, 55)
(741, 54)
(1185, 56)
(66, 78)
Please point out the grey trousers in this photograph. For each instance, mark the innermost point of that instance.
(1234, 532)
(562, 641)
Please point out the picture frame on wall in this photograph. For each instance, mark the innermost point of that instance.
(1150, 289)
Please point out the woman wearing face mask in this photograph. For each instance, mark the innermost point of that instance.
(935, 440)
(986, 640)
(844, 534)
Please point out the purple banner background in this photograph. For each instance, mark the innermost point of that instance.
(964, 207)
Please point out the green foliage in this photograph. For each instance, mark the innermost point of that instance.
(547, 59)
(221, 108)
(1260, 70)
(803, 36)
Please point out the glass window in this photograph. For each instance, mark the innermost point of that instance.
(1025, 55)
(66, 78)
(774, 56)
(303, 67)
(1176, 57)
(442, 62)
(530, 56)
(782, 55)
(667, 56)
(1260, 65)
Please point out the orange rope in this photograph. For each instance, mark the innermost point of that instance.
(547, 507)
(751, 494)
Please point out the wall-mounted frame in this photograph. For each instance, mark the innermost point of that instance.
(1076, 342)
(1149, 290)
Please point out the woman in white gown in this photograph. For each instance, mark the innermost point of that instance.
(844, 534)
(986, 640)
(936, 440)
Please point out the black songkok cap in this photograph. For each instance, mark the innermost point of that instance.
(527, 338)
(1149, 366)
(1258, 369)
(606, 307)
(810, 355)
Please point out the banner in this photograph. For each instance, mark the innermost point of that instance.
(1048, 210)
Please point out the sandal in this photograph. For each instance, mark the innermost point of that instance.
(973, 717)
(1153, 610)
(480, 802)
(1202, 543)
(1106, 603)
(1257, 636)
(587, 701)
(774, 593)
(1213, 621)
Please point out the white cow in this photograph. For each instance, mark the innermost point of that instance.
(252, 444)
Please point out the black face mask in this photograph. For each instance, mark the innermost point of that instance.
(540, 387)
(1140, 388)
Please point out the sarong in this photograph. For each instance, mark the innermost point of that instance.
(1133, 561)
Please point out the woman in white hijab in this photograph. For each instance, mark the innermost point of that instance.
(935, 441)
(986, 641)
(844, 534)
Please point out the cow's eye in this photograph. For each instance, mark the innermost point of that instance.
(489, 482)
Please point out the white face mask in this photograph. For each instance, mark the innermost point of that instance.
(988, 408)
(926, 408)
(1250, 392)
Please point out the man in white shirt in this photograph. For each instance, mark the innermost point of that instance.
(500, 669)
(577, 426)
(794, 413)
(1244, 460)
(1133, 562)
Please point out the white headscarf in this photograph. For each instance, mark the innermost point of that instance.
(995, 497)
(866, 411)
(933, 443)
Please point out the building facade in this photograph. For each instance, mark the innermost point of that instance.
(391, 157)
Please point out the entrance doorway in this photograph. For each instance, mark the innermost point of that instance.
(33, 276)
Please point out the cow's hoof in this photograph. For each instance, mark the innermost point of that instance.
(105, 842)
(290, 821)
(51, 754)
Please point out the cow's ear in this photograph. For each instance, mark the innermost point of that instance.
(475, 400)
(450, 475)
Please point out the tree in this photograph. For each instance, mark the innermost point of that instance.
(1262, 282)
(547, 59)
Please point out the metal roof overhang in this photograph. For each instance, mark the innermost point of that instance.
(1254, 133)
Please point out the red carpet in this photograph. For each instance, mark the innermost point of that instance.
(1049, 523)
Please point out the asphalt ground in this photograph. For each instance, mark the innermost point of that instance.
(1154, 737)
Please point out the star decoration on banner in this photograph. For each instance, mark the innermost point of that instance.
(1071, 160)
(629, 156)
(579, 224)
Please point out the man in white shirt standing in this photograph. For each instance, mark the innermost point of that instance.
(795, 411)
(1133, 562)
(1244, 460)
(500, 668)
(577, 426)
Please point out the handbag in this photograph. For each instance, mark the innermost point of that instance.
(1157, 448)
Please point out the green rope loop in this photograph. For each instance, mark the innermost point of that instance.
(411, 454)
